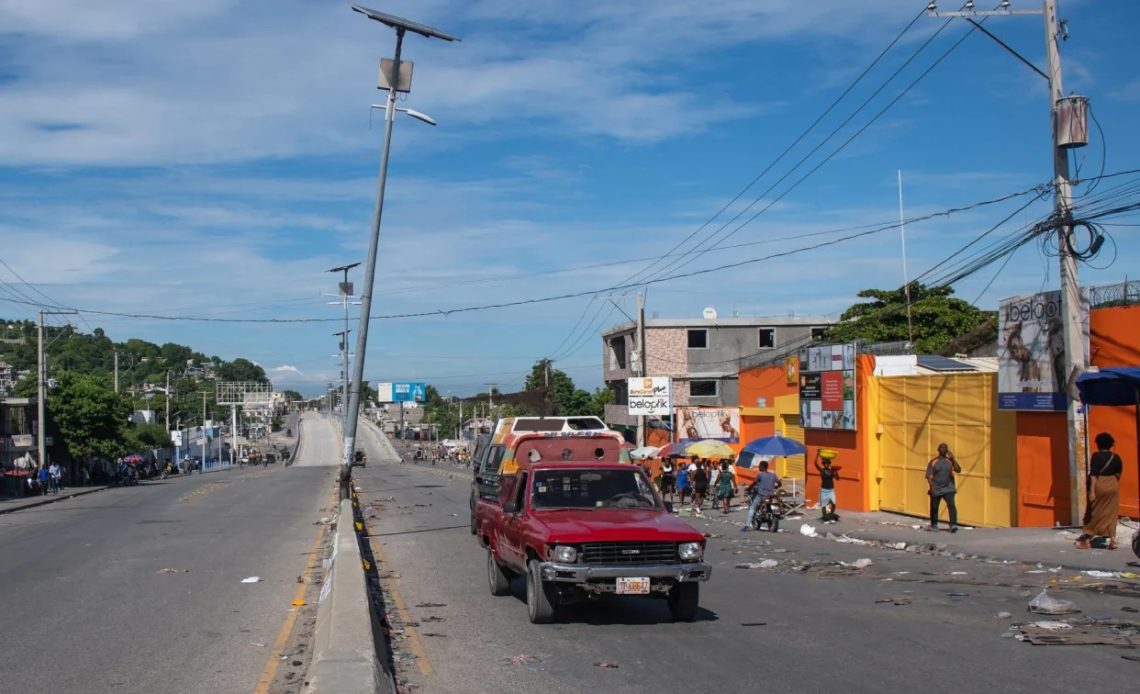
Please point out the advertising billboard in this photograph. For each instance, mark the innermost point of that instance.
(1031, 351)
(401, 391)
(650, 396)
(695, 423)
(827, 387)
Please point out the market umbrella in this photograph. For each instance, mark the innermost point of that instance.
(710, 448)
(775, 445)
(644, 452)
(671, 450)
(133, 459)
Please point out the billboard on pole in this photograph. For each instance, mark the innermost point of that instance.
(650, 395)
(401, 391)
(1031, 351)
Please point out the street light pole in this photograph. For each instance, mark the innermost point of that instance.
(395, 83)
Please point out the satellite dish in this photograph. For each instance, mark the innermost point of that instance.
(709, 313)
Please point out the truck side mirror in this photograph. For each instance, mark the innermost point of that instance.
(510, 508)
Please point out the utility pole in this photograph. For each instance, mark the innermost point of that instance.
(204, 436)
(41, 389)
(490, 399)
(1076, 356)
(642, 361)
(116, 371)
(167, 401)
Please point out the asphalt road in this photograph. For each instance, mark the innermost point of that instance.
(88, 606)
(933, 629)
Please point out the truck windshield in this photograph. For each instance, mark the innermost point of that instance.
(591, 489)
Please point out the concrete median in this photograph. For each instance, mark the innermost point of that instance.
(344, 658)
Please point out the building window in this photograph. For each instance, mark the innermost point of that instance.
(767, 338)
(703, 389)
(698, 339)
(817, 334)
(617, 353)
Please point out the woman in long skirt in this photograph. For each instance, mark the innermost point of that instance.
(1105, 467)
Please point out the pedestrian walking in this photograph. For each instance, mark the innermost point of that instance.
(44, 477)
(55, 474)
(1105, 468)
(682, 483)
(668, 480)
(828, 473)
(940, 476)
(725, 486)
(700, 486)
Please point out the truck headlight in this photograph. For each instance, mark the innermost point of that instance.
(690, 551)
(564, 554)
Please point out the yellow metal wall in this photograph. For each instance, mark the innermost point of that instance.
(789, 408)
(915, 414)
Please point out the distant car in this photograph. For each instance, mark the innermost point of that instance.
(359, 458)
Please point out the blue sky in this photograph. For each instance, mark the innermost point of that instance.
(214, 158)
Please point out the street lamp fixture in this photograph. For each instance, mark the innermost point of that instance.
(410, 111)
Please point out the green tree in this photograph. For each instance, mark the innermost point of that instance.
(139, 437)
(90, 415)
(241, 370)
(937, 318)
(566, 397)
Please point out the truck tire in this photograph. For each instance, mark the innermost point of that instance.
(539, 605)
(683, 601)
(474, 529)
(498, 578)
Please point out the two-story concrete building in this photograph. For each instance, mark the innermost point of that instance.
(703, 356)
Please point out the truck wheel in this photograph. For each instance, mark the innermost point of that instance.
(473, 528)
(683, 600)
(539, 606)
(497, 577)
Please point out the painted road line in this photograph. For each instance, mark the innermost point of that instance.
(414, 644)
(274, 658)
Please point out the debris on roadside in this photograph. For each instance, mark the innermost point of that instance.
(1004, 615)
(251, 579)
(522, 659)
(765, 564)
(169, 570)
(808, 530)
(606, 665)
(893, 601)
(1047, 604)
(431, 604)
(754, 624)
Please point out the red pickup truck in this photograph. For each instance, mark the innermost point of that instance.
(579, 529)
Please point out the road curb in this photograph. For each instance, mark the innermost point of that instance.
(344, 657)
(53, 499)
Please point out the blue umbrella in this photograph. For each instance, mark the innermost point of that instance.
(774, 445)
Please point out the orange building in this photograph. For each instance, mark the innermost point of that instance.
(769, 397)
(1042, 437)
(1020, 472)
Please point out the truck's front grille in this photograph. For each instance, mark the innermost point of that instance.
(629, 553)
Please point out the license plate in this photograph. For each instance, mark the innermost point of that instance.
(633, 586)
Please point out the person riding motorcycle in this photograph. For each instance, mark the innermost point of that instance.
(763, 487)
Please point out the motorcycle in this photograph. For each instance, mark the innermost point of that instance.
(769, 513)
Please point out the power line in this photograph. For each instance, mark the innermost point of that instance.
(847, 142)
(787, 149)
(558, 297)
(697, 248)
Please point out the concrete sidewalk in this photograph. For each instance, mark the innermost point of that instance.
(1049, 547)
(17, 503)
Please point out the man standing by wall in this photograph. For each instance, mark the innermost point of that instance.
(940, 476)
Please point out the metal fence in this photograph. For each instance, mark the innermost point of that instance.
(1121, 294)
